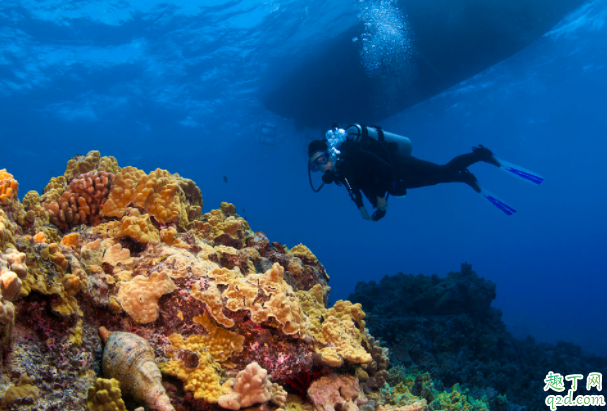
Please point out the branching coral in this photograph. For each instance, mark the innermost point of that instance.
(81, 202)
(251, 386)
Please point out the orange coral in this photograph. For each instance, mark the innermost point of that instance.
(122, 192)
(169, 236)
(71, 240)
(138, 228)
(159, 194)
(9, 187)
(81, 202)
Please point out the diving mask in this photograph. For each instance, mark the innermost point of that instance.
(321, 160)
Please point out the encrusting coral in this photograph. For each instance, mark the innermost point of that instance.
(24, 391)
(225, 315)
(139, 297)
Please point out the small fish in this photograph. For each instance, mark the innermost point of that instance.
(225, 179)
(243, 210)
(207, 146)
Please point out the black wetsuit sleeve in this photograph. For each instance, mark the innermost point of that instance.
(378, 173)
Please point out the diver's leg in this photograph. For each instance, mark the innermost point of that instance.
(479, 153)
(415, 173)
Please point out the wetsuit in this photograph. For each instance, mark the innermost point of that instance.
(372, 167)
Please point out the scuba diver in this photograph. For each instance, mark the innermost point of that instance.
(380, 164)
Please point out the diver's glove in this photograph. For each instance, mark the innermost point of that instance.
(379, 214)
(364, 213)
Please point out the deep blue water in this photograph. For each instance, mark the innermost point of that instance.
(176, 85)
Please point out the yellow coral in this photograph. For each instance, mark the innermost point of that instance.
(338, 331)
(303, 252)
(81, 164)
(105, 395)
(221, 343)
(198, 371)
(139, 297)
(23, 391)
(342, 332)
(169, 236)
(9, 187)
(212, 298)
(6, 231)
(109, 164)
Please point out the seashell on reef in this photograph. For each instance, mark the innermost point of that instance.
(130, 359)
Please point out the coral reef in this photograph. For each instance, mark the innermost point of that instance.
(447, 327)
(205, 313)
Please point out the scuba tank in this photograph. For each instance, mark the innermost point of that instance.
(403, 145)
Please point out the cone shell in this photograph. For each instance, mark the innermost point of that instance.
(130, 359)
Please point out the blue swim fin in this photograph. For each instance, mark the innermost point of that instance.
(520, 172)
(498, 202)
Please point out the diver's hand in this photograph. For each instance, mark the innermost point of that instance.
(364, 213)
(379, 214)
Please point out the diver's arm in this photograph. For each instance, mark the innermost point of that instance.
(357, 197)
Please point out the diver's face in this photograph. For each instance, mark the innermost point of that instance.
(321, 162)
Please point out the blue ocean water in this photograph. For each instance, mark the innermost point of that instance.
(177, 85)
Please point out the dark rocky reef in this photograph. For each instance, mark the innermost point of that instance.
(447, 327)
